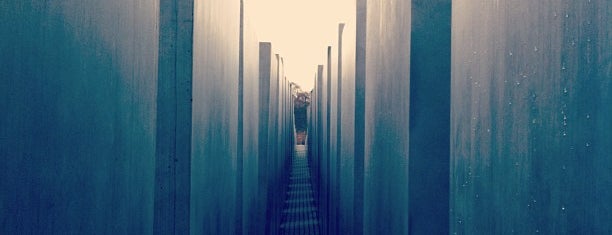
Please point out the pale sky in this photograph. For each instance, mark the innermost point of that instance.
(300, 31)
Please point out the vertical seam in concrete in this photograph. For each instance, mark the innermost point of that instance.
(189, 8)
(173, 155)
(175, 94)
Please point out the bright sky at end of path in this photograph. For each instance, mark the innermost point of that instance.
(301, 31)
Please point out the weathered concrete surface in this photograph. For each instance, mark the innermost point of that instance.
(253, 211)
(319, 159)
(77, 129)
(174, 123)
(325, 145)
(430, 116)
(346, 81)
(531, 111)
(333, 139)
(328, 129)
(215, 100)
(266, 72)
(359, 128)
(272, 218)
(387, 96)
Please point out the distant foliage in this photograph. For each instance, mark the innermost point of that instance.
(301, 102)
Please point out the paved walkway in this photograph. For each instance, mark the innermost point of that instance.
(300, 212)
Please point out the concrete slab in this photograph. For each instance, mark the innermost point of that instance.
(346, 81)
(215, 113)
(430, 116)
(530, 118)
(253, 210)
(387, 97)
(174, 119)
(77, 131)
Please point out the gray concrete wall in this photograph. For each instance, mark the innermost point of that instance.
(252, 210)
(266, 72)
(387, 97)
(531, 111)
(359, 128)
(174, 123)
(430, 116)
(320, 162)
(333, 137)
(215, 102)
(272, 219)
(327, 143)
(346, 78)
(321, 158)
(77, 131)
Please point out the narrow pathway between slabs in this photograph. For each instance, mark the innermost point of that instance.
(299, 211)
